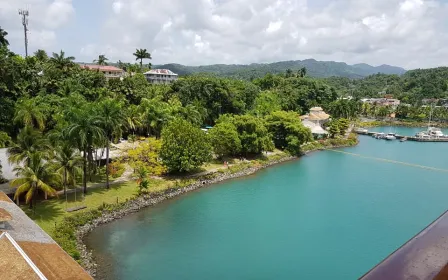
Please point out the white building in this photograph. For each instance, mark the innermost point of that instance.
(314, 121)
(160, 76)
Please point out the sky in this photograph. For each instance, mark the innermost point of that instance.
(407, 33)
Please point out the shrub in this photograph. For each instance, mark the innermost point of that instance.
(116, 169)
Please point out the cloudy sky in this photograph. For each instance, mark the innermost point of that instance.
(407, 33)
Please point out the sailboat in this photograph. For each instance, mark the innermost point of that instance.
(431, 132)
(390, 135)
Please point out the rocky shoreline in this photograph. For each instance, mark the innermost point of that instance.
(136, 204)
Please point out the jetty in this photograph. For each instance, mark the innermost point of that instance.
(409, 138)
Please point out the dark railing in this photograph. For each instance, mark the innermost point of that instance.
(423, 257)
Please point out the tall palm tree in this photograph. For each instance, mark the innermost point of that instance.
(29, 142)
(156, 114)
(61, 61)
(84, 130)
(111, 120)
(133, 118)
(101, 60)
(121, 65)
(41, 55)
(141, 54)
(29, 113)
(34, 177)
(3, 41)
(67, 162)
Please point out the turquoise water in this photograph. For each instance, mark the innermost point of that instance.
(326, 216)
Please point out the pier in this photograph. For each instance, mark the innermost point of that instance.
(409, 138)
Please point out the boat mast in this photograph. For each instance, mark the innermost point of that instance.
(430, 116)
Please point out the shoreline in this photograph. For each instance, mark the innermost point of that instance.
(376, 123)
(144, 201)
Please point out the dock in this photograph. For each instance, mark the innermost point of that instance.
(409, 138)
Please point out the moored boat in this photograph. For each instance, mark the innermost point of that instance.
(380, 135)
(390, 136)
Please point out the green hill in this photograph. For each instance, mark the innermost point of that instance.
(314, 68)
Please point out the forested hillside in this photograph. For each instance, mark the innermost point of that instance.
(314, 69)
(411, 87)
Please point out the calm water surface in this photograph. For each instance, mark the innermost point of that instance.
(326, 216)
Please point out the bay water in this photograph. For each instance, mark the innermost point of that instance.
(327, 215)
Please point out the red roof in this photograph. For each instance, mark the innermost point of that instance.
(103, 68)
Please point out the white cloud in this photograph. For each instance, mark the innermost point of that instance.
(274, 26)
(116, 6)
(45, 18)
(409, 33)
(58, 13)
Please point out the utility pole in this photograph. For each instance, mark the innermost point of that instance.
(25, 14)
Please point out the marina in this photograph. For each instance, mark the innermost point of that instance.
(420, 137)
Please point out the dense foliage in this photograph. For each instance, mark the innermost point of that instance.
(184, 147)
(411, 88)
(287, 131)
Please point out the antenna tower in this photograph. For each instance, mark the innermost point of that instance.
(25, 14)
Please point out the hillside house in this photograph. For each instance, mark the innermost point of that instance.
(110, 72)
(160, 76)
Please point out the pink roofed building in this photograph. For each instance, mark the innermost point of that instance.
(111, 72)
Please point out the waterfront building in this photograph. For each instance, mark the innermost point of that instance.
(27, 252)
(160, 76)
(314, 121)
(382, 101)
(110, 72)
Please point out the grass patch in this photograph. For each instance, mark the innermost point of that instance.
(50, 212)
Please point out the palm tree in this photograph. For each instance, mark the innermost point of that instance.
(61, 61)
(29, 142)
(35, 176)
(133, 118)
(121, 65)
(3, 41)
(101, 60)
(141, 54)
(110, 120)
(84, 130)
(29, 113)
(156, 114)
(41, 55)
(67, 162)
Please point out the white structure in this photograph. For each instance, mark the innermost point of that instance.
(160, 76)
(314, 120)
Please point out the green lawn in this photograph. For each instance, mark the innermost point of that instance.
(52, 211)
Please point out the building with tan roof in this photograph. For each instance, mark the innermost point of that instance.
(314, 121)
(27, 252)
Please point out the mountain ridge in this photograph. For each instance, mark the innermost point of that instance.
(315, 68)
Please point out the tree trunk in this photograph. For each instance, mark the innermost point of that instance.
(141, 63)
(65, 184)
(107, 163)
(84, 177)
